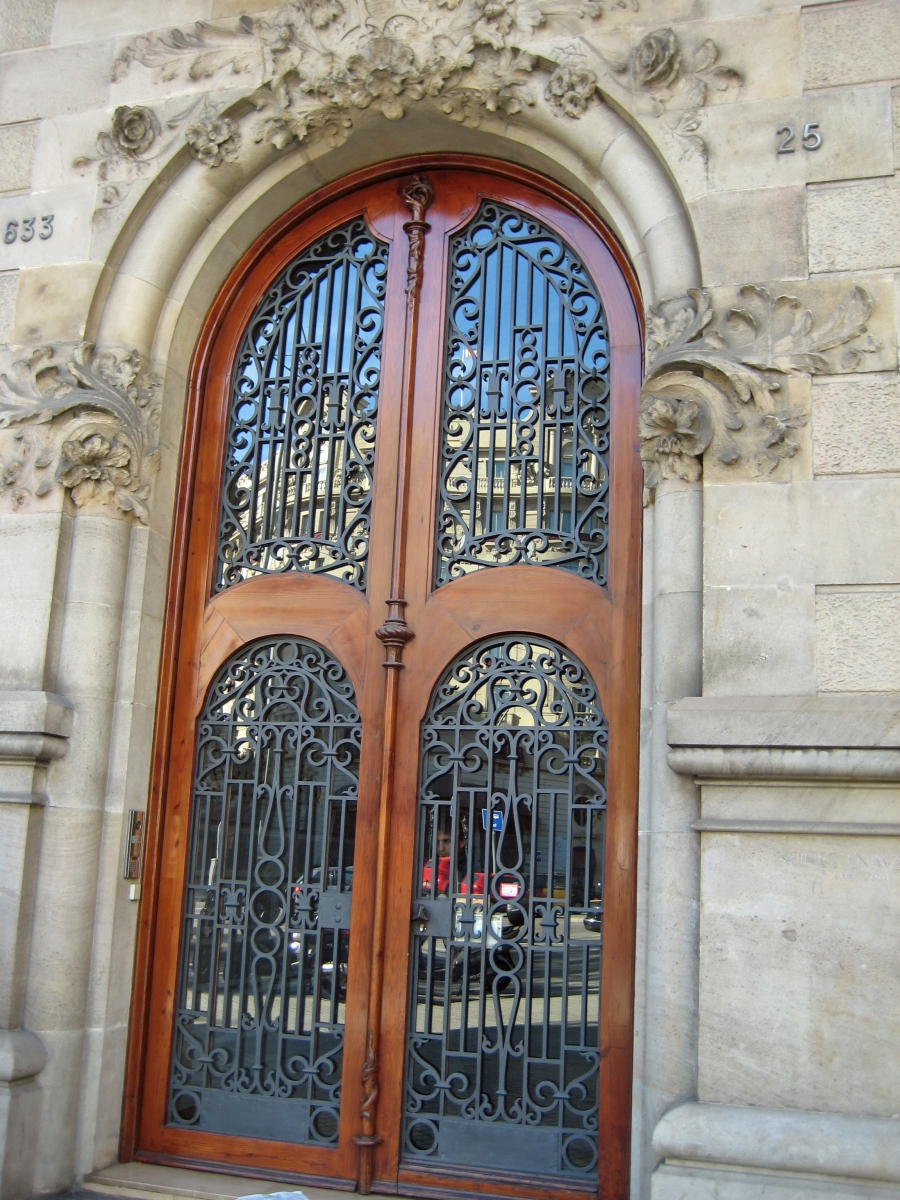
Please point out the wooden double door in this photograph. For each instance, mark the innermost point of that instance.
(387, 934)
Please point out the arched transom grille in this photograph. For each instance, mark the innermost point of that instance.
(297, 483)
(525, 427)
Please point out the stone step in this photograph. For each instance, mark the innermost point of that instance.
(145, 1181)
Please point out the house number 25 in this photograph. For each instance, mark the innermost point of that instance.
(811, 139)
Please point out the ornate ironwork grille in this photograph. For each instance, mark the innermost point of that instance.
(502, 1042)
(525, 429)
(263, 972)
(301, 439)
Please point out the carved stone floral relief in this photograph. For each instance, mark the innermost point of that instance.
(712, 382)
(307, 66)
(84, 418)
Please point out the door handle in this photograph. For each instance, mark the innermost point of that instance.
(420, 913)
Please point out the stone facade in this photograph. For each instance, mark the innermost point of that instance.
(143, 148)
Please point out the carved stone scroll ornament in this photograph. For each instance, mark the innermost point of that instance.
(712, 383)
(311, 63)
(91, 414)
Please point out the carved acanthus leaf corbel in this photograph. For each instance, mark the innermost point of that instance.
(98, 411)
(712, 384)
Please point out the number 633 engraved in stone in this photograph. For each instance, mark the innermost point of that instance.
(12, 233)
(811, 139)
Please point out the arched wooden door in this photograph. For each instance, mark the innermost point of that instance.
(388, 937)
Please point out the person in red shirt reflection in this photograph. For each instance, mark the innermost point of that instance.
(443, 868)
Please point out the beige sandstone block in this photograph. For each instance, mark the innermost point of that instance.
(855, 127)
(75, 21)
(851, 43)
(828, 531)
(854, 228)
(777, 249)
(46, 227)
(895, 96)
(759, 640)
(25, 23)
(756, 533)
(854, 530)
(17, 143)
(9, 282)
(44, 83)
(858, 639)
(764, 48)
(717, 9)
(798, 972)
(802, 801)
(856, 426)
(53, 303)
(701, 1182)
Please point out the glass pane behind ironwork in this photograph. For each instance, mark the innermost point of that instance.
(297, 485)
(525, 427)
(262, 983)
(503, 1028)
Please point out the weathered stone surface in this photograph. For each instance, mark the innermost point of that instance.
(781, 1139)
(831, 531)
(25, 23)
(785, 721)
(858, 639)
(17, 144)
(784, 912)
(851, 43)
(764, 48)
(673, 1182)
(43, 83)
(48, 227)
(854, 228)
(776, 251)
(53, 303)
(855, 127)
(76, 22)
(9, 282)
(759, 639)
(856, 426)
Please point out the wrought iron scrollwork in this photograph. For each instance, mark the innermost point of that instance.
(503, 1030)
(297, 484)
(525, 427)
(259, 1022)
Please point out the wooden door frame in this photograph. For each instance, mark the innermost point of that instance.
(617, 1047)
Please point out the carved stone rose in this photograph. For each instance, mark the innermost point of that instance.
(657, 60)
(214, 141)
(134, 130)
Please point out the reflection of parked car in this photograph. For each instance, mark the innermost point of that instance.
(593, 919)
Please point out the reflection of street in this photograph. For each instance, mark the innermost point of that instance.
(541, 1011)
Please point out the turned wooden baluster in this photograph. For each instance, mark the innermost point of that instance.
(417, 194)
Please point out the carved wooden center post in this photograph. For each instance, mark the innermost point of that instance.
(417, 195)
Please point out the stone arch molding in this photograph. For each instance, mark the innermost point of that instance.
(257, 112)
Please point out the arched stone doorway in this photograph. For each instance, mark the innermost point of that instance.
(420, 390)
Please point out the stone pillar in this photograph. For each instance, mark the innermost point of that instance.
(33, 732)
(666, 1071)
(69, 856)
